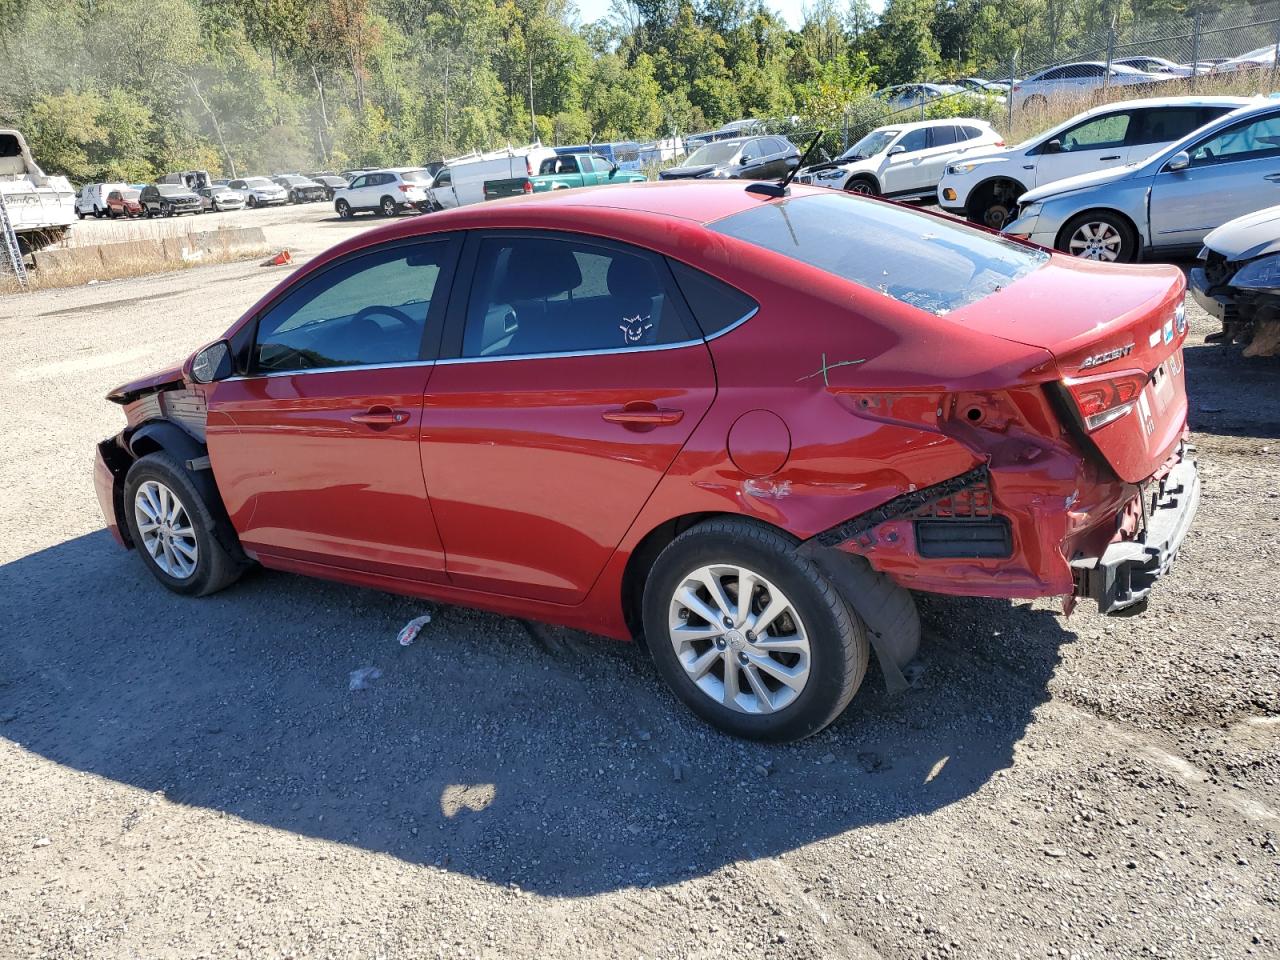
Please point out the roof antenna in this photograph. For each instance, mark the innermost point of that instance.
(781, 188)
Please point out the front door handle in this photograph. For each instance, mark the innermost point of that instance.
(1113, 156)
(1273, 177)
(380, 417)
(643, 414)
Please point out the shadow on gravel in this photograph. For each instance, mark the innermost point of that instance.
(1232, 395)
(555, 762)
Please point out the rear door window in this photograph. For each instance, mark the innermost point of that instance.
(536, 295)
(925, 261)
(943, 136)
(1167, 124)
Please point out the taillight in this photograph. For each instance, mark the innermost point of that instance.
(999, 143)
(527, 187)
(1104, 400)
(528, 165)
(1016, 88)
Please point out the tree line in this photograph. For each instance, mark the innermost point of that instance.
(127, 89)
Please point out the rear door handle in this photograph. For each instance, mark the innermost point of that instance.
(380, 417)
(643, 415)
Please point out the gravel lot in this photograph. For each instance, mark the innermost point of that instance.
(193, 778)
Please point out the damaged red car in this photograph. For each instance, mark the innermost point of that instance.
(738, 423)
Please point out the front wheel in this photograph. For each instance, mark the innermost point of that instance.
(174, 530)
(344, 210)
(861, 186)
(253, 201)
(750, 634)
(1099, 235)
(388, 207)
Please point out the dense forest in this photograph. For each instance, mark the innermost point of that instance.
(123, 89)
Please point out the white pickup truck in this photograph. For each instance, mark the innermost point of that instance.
(41, 208)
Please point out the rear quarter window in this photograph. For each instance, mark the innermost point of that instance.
(715, 304)
(917, 259)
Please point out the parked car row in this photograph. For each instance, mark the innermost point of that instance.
(195, 191)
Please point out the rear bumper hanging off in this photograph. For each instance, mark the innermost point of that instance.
(1127, 570)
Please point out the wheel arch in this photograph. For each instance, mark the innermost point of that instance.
(866, 175)
(1090, 211)
(640, 561)
(990, 184)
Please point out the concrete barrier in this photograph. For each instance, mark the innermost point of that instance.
(127, 257)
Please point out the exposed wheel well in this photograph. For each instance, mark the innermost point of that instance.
(641, 561)
(1094, 211)
(992, 189)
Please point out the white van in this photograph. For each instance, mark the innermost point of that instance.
(92, 198)
(463, 178)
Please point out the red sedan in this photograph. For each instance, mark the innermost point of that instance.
(123, 203)
(738, 426)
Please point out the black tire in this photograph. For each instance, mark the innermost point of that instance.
(388, 207)
(216, 565)
(864, 186)
(252, 201)
(1128, 239)
(344, 210)
(837, 639)
(97, 213)
(79, 213)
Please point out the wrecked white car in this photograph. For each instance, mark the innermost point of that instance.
(1239, 281)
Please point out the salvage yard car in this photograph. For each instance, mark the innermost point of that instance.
(746, 158)
(1239, 282)
(259, 191)
(218, 199)
(168, 200)
(904, 161)
(124, 202)
(984, 186)
(738, 422)
(1165, 204)
(385, 192)
(562, 172)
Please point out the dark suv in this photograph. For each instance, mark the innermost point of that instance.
(746, 158)
(168, 200)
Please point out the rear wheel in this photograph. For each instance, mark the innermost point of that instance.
(1034, 102)
(1099, 235)
(174, 530)
(751, 635)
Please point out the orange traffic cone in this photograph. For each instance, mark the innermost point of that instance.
(279, 260)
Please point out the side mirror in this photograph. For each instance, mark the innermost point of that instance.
(1179, 161)
(1053, 146)
(212, 363)
(613, 167)
(894, 151)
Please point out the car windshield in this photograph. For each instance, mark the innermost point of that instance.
(713, 153)
(913, 257)
(172, 189)
(873, 143)
(259, 182)
(296, 180)
(416, 176)
(128, 194)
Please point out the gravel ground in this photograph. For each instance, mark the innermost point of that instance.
(193, 778)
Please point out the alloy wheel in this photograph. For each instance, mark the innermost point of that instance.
(860, 187)
(388, 208)
(739, 639)
(166, 530)
(1096, 240)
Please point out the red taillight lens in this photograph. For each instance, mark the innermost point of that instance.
(1103, 400)
(528, 165)
(999, 143)
(527, 187)
(405, 188)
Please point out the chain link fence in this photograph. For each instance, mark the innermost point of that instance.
(1231, 50)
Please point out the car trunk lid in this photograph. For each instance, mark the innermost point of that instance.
(1116, 332)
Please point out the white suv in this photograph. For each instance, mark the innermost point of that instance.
(258, 191)
(903, 160)
(384, 191)
(985, 187)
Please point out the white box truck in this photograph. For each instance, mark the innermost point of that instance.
(463, 178)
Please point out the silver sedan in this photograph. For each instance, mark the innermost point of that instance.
(1163, 205)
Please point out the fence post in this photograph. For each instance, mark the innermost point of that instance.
(1111, 52)
(1275, 56)
(1195, 50)
(1013, 77)
(844, 138)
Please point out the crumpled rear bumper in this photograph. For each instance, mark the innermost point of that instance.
(1128, 570)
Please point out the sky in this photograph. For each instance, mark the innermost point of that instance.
(792, 10)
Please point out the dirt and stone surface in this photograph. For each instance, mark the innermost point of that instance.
(193, 778)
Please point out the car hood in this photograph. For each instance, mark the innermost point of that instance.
(1247, 237)
(681, 173)
(131, 391)
(1081, 182)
